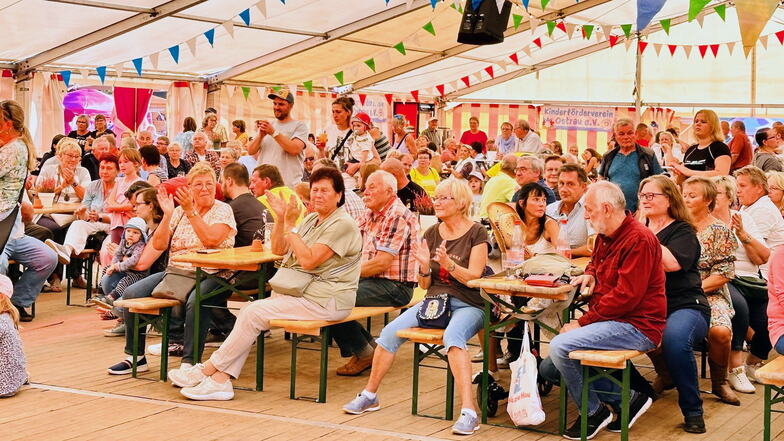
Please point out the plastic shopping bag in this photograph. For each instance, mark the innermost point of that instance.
(524, 405)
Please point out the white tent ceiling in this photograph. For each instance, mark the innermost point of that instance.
(304, 40)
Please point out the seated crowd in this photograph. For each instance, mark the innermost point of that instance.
(684, 239)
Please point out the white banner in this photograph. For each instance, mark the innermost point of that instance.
(594, 119)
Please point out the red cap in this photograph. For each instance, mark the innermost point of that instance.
(363, 118)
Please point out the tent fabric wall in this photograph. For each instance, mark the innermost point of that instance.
(184, 99)
(48, 91)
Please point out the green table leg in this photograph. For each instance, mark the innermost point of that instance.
(293, 386)
(415, 382)
(625, 395)
(450, 394)
(260, 362)
(89, 290)
(166, 312)
(766, 414)
(196, 317)
(485, 345)
(324, 365)
(135, 348)
(584, 404)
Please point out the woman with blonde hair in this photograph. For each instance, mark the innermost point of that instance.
(664, 212)
(776, 190)
(710, 156)
(717, 267)
(210, 128)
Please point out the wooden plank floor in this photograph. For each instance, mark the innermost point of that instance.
(72, 397)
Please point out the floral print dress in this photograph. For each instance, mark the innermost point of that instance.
(718, 257)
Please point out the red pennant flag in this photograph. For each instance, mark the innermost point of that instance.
(489, 70)
(466, 81)
(672, 48)
(334, 95)
(613, 40)
(641, 45)
(582, 30)
(415, 94)
(362, 98)
(561, 26)
(703, 48)
(440, 88)
(780, 36)
(715, 49)
(513, 57)
(538, 42)
(388, 96)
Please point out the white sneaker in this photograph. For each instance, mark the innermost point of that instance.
(63, 256)
(751, 372)
(740, 382)
(154, 349)
(187, 375)
(209, 390)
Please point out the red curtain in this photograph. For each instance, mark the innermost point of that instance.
(131, 105)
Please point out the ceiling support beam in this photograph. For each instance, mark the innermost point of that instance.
(461, 48)
(108, 32)
(310, 43)
(653, 27)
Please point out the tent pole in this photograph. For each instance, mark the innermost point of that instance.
(638, 80)
(753, 94)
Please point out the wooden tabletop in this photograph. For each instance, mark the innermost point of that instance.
(58, 208)
(240, 259)
(501, 286)
(581, 262)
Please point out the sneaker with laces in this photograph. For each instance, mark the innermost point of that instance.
(63, 254)
(751, 372)
(739, 381)
(466, 424)
(596, 422)
(117, 331)
(362, 404)
(175, 349)
(187, 375)
(638, 405)
(125, 367)
(209, 390)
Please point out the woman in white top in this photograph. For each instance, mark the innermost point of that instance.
(541, 231)
(748, 312)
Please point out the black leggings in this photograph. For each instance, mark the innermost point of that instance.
(750, 312)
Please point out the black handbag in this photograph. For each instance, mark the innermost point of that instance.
(7, 224)
(434, 312)
(752, 288)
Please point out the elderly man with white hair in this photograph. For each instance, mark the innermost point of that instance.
(388, 272)
(527, 140)
(627, 307)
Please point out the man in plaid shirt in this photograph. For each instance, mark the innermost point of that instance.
(389, 270)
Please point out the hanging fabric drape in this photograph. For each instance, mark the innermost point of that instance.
(130, 105)
(6, 85)
(46, 117)
(184, 99)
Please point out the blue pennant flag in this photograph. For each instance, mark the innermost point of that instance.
(475, 4)
(646, 10)
(283, 1)
(210, 37)
(433, 3)
(66, 74)
(525, 3)
(245, 16)
(101, 70)
(137, 63)
(175, 53)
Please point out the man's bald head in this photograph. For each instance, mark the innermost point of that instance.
(396, 169)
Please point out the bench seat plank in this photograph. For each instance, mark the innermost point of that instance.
(605, 359)
(146, 305)
(772, 373)
(423, 335)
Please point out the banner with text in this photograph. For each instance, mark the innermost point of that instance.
(593, 119)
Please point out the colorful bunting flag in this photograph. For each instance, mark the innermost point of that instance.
(308, 85)
(489, 70)
(657, 47)
(66, 75)
(400, 48)
(695, 6)
(641, 45)
(672, 49)
(613, 40)
(371, 63)
(715, 49)
(560, 25)
(415, 94)
(101, 71)
(229, 26)
(192, 46)
(433, 3)
(210, 35)
(646, 10)
(627, 29)
(440, 89)
(517, 19)
(388, 97)
(538, 42)
(466, 81)
(174, 51)
(752, 17)
(245, 91)
(339, 77)
(687, 49)
(245, 16)
(429, 28)
(544, 4)
(154, 61)
(665, 24)
(137, 63)
(780, 36)
(587, 31)
(550, 28)
(721, 10)
(514, 59)
(703, 48)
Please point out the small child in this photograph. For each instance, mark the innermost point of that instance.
(360, 145)
(126, 257)
(13, 367)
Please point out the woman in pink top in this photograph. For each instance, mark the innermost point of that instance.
(776, 299)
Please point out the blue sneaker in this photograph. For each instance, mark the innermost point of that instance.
(362, 404)
(466, 424)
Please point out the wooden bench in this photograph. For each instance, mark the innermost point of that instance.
(433, 340)
(603, 363)
(149, 306)
(302, 330)
(772, 377)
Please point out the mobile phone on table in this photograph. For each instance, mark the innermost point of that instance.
(208, 251)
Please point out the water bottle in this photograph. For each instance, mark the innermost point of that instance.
(563, 247)
(269, 224)
(515, 253)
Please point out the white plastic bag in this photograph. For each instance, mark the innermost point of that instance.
(524, 405)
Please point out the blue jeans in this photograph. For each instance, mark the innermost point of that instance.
(38, 260)
(180, 330)
(780, 345)
(466, 321)
(685, 329)
(609, 335)
(108, 283)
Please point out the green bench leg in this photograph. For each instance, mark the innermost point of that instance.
(415, 382)
(625, 398)
(625, 395)
(450, 394)
(322, 397)
(196, 317)
(260, 362)
(766, 414)
(135, 348)
(584, 403)
(293, 385)
(88, 292)
(562, 403)
(165, 313)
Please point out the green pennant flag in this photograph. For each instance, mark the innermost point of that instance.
(544, 3)
(722, 11)
(429, 28)
(588, 31)
(695, 6)
(308, 86)
(371, 63)
(276, 89)
(456, 8)
(245, 91)
(339, 76)
(627, 29)
(400, 48)
(517, 20)
(550, 28)
(665, 24)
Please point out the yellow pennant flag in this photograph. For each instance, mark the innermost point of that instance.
(752, 17)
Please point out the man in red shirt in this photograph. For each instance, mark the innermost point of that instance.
(627, 308)
(740, 146)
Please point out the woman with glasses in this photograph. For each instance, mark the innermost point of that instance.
(776, 189)
(766, 157)
(82, 132)
(453, 252)
(751, 253)
(717, 267)
(663, 211)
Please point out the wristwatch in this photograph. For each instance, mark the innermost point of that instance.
(275, 134)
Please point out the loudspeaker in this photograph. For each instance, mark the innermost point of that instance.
(485, 25)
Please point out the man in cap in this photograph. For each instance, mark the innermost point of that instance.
(431, 132)
(282, 142)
